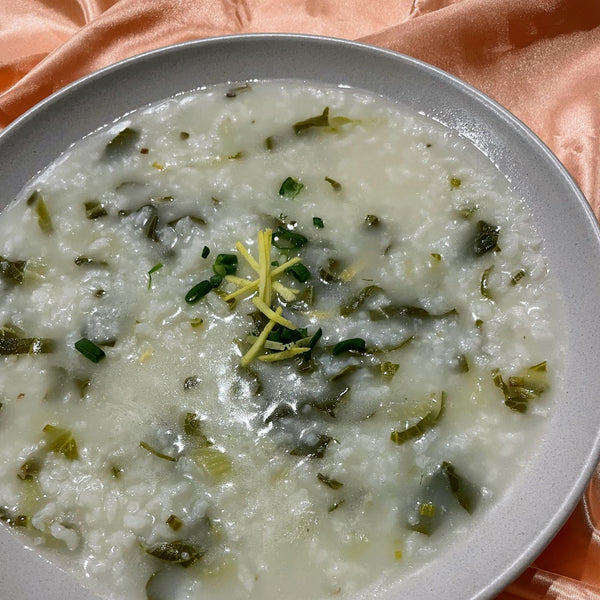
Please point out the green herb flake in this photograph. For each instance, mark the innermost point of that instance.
(94, 210)
(61, 441)
(12, 342)
(517, 277)
(122, 143)
(520, 389)
(321, 120)
(352, 305)
(486, 238)
(36, 201)
(429, 421)
(334, 484)
(318, 222)
(151, 450)
(299, 272)
(176, 553)
(174, 522)
(225, 264)
(335, 506)
(353, 345)
(270, 143)
(284, 239)
(336, 185)
(315, 450)
(290, 188)
(184, 135)
(12, 271)
(484, 286)
(202, 289)
(205, 252)
(388, 369)
(197, 322)
(89, 350)
(372, 221)
(455, 182)
(155, 268)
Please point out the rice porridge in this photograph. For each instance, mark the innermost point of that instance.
(266, 340)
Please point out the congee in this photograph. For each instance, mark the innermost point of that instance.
(266, 340)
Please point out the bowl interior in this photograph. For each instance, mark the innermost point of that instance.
(506, 539)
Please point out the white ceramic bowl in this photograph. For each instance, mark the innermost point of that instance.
(543, 494)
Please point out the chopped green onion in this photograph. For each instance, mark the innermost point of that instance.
(174, 522)
(90, 350)
(321, 120)
(225, 264)
(372, 221)
(523, 387)
(388, 369)
(61, 441)
(290, 188)
(336, 185)
(122, 143)
(318, 222)
(150, 449)
(270, 143)
(300, 272)
(335, 506)
(357, 301)
(205, 252)
(94, 210)
(155, 268)
(201, 289)
(332, 483)
(240, 89)
(517, 277)
(351, 345)
(284, 239)
(314, 450)
(486, 238)
(12, 271)
(423, 425)
(455, 182)
(176, 553)
(36, 200)
(184, 135)
(484, 287)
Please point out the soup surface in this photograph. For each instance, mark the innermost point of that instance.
(264, 341)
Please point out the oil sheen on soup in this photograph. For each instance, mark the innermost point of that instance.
(266, 340)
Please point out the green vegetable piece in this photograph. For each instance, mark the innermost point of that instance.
(94, 210)
(355, 345)
(12, 271)
(290, 188)
(225, 264)
(155, 268)
(284, 239)
(372, 221)
(336, 185)
(395, 311)
(235, 156)
(455, 182)
(345, 372)
(517, 277)
(484, 287)
(215, 462)
(462, 364)
(176, 553)
(318, 222)
(522, 388)
(30, 468)
(10, 345)
(201, 289)
(300, 272)
(335, 506)
(90, 350)
(174, 522)
(122, 143)
(36, 200)
(184, 135)
(486, 238)
(332, 483)
(315, 450)
(357, 301)
(270, 143)
(388, 369)
(441, 492)
(152, 450)
(321, 120)
(240, 89)
(430, 420)
(192, 427)
(205, 252)
(61, 441)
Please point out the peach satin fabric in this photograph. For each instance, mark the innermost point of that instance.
(539, 58)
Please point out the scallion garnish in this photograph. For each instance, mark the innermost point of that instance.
(372, 221)
(318, 222)
(155, 268)
(90, 350)
(334, 484)
(150, 449)
(351, 345)
(201, 289)
(486, 238)
(336, 185)
(290, 188)
(94, 210)
(300, 272)
(321, 120)
(205, 252)
(284, 239)
(225, 264)
(123, 142)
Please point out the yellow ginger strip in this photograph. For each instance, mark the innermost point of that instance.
(250, 286)
(247, 256)
(264, 265)
(273, 316)
(284, 354)
(288, 294)
(257, 346)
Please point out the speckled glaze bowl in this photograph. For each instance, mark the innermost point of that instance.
(505, 540)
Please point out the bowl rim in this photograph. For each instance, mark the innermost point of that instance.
(490, 138)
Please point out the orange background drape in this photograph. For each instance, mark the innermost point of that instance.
(539, 58)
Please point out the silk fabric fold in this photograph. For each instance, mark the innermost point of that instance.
(539, 58)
